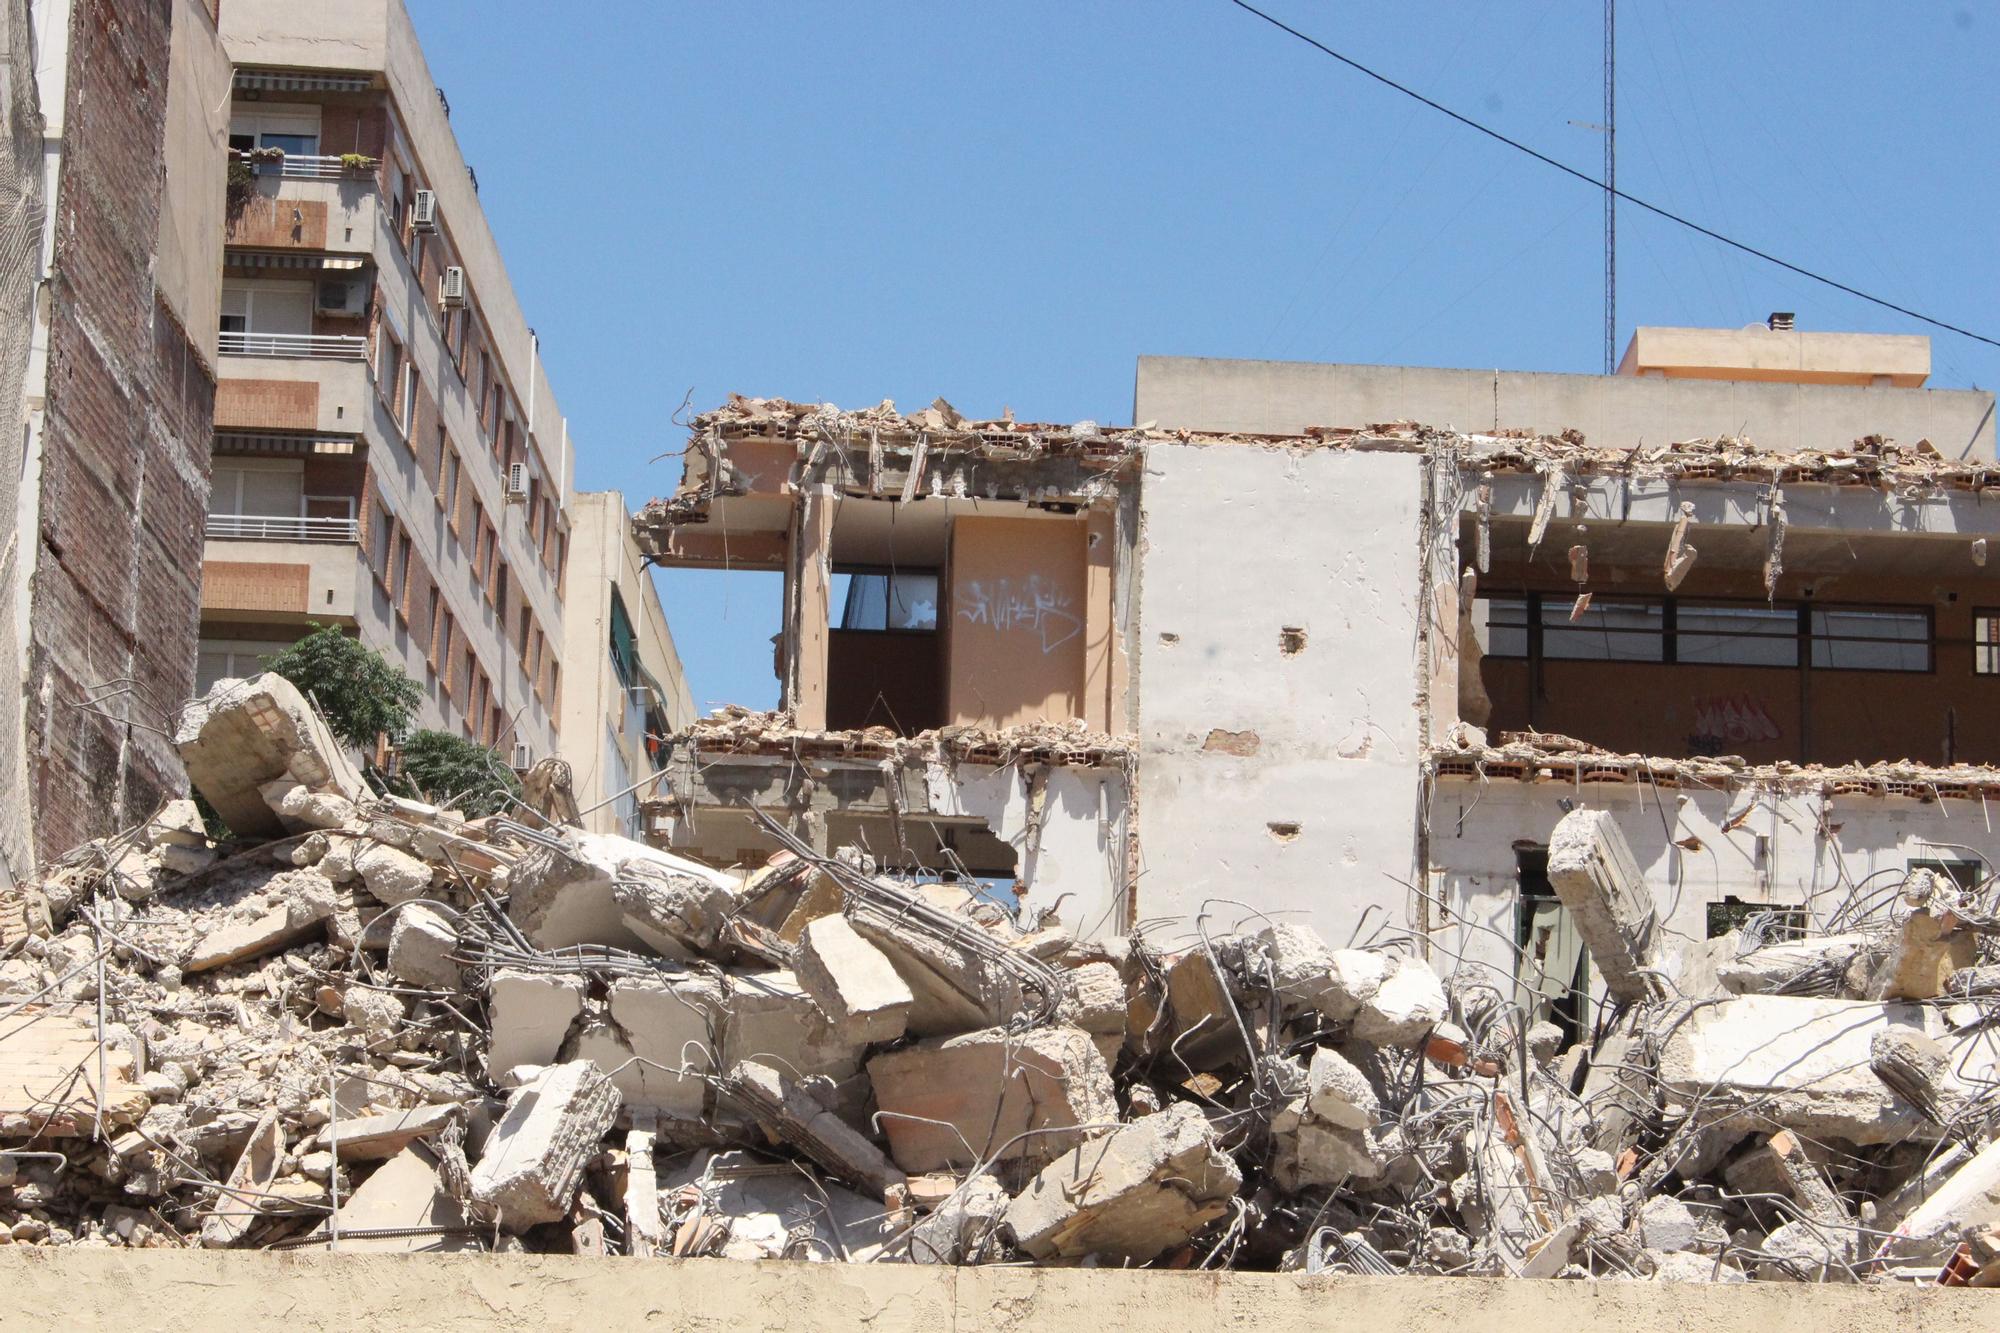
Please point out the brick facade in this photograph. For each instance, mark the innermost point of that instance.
(125, 445)
(266, 404)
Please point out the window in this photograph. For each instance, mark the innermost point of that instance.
(1852, 638)
(1605, 632)
(451, 469)
(1966, 875)
(406, 404)
(624, 643)
(399, 589)
(1741, 635)
(500, 591)
(1766, 921)
(293, 130)
(1506, 626)
(261, 487)
(267, 307)
(220, 659)
(389, 369)
(1986, 643)
(882, 600)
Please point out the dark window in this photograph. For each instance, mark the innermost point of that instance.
(880, 599)
(624, 643)
(1854, 638)
(1742, 635)
(1986, 643)
(1604, 631)
(1506, 627)
(1968, 875)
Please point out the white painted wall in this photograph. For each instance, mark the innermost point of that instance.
(1076, 868)
(1237, 543)
(1815, 851)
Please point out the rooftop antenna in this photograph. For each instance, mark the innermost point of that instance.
(1608, 127)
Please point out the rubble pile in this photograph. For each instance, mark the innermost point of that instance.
(384, 1026)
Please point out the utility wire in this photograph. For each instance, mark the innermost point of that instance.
(1595, 183)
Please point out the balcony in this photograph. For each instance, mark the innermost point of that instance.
(272, 528)
(297, 346)
(307, 168)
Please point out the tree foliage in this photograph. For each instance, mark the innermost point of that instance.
(451, 770)
(360, 691)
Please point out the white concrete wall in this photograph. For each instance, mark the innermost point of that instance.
(1075, 869)
(1237, 543)
(187, 267)
(1814, 851)
(1285, 397)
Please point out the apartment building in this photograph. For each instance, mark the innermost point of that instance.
(388, 454)
(1740, 596)
(626, 691)
(111, 185)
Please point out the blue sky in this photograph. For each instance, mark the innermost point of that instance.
(1006, 204)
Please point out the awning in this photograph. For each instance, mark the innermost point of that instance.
(240, 442)
(292, 259)
(302, 81)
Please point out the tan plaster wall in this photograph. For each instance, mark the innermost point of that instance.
(140, 1291)
(1018, 605)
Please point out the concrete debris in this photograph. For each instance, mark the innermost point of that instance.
(1129, 1195)
(480, 1033)
(534, 1159)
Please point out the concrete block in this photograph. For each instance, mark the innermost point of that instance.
(1666, 1224)
(182, 860)
(673, 904)
(770, 1019)
(961, 1101)
(657, 1028)
(1800, 1063)
(1096, 1004)
(300, 903)
(1593, 871)
(1300, 964)
(178, 824)
(756, 1212)
(563, 898)
(530, 1014)
(1928, 947)
(1130, 1195)
(956, 990)
(370, 1138)
(1969, 1199)
(1338, 1093)
(960, 1230)
(852, 982)
(244, 734)
(789, 1114)
(404, 1193)
(1767, 970)
(299, 804)
(391, 875)
(421, 948)
(1352, 980)
(1403, 1008)
(534, 1158)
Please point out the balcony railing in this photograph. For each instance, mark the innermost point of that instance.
(316, 346)
(307, 168)
(281, 528)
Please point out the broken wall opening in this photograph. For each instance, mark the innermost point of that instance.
(1863, 650)
(734, 659)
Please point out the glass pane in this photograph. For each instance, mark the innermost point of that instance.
(1605, 632)
(1986, 645)
(1737, 635)
(913, 601)
(1850, 639)
(1506, 626)
(867, 603)
(294, 145)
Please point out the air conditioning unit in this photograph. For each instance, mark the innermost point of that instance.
(341, 296)
(451, 288)
(524, 756)
(517, 483)
(424, 210)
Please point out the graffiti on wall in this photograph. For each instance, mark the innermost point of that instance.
(1722, 720)
(1031, 606)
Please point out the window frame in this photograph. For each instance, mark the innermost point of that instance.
(891, 573)
(1991, 615)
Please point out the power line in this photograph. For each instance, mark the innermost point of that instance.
(1608, 188)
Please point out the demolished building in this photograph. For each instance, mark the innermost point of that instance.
(1168, 855)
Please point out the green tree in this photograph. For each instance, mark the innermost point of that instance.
(360, 691)
(451, 770)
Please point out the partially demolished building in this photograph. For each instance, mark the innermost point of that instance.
(1462, 848)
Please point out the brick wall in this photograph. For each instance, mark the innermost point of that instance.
(267, 404)
(116, 594)
(270, 223)
(256, 586)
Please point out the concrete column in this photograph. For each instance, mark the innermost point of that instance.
(812, 581)
(1102, 644)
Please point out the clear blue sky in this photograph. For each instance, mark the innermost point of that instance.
(1005, 204)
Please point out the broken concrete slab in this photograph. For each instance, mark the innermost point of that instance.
(1928, 946)
(1804, 967)
(790, 1115)
(406, 1193)
(421, 948)
(299, 805)
(246, 1194)
(1797, 1062)
(179, 824)
(645, 1229)
(736, 1205)
(392, 875)
(659, 1044)
(1403, 1008)
(294, 905)
(245, 733)
(530, 1014)
(991, 1096)
(370, 1138)
(673, 904)
(1593, 871)
(956, 988)
(1097, 1005)
(771, 1019)
(962, 1227)
(1130, 1195)
(853, 982)
(1968, 1199)
(534, 1158)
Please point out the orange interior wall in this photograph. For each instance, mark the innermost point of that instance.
(1829, 717)
(1018, 618)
